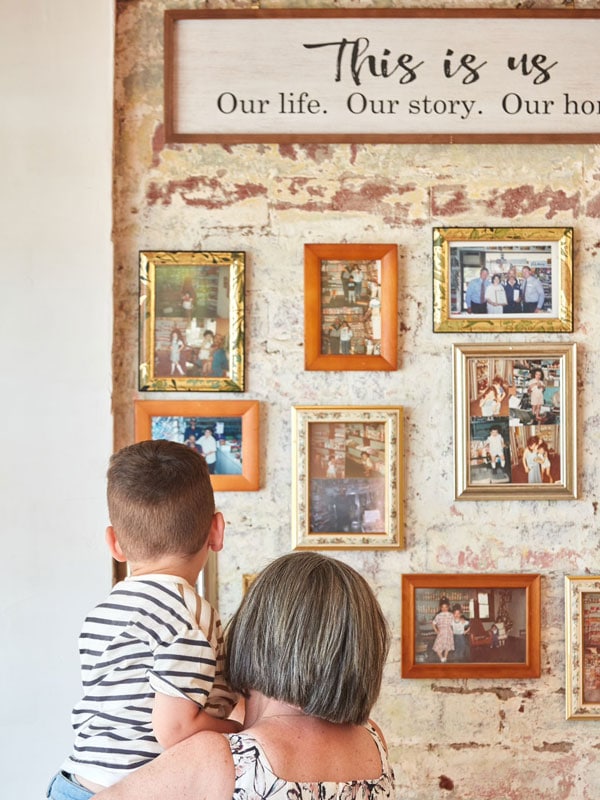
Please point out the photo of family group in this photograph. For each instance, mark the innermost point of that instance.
(218, 440)
(351, 307)
(347, 477)
(191, 326)
(514, 420)
(470, 625)
(497, 279)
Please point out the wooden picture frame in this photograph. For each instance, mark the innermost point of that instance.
(465, 645)
(348, 483)
(192, 321)
(234, 426)
(351, 306)
(515, 421)
(582, 646)
(481, 274)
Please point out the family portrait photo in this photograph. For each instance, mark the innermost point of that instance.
(503, 279)
(514, 418)
(192, 321)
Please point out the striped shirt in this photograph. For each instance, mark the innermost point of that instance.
(152, 634)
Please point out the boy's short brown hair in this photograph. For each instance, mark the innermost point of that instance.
(160, 499)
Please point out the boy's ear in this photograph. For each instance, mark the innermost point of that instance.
(216, 532)
(113, 544)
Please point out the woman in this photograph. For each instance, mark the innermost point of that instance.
(512, 287)
(306, 649)
(536, 391)
(495, 296)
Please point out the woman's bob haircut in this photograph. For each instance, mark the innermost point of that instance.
(310, 633)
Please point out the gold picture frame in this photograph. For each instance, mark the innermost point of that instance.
(496, 633)
(348, 483)
(480, 277)
(351, 306)
(192, 321)
(515, 421)
(232, 442)
(582, 646)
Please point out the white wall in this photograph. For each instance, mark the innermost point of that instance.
(55, 326)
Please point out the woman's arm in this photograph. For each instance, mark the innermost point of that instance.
(199, 768)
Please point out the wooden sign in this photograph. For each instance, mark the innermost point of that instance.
(382, 75)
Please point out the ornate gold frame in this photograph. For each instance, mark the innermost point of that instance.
(582, 663)
(154, 267)
(479, 363)
(447, 278)
(362, 536)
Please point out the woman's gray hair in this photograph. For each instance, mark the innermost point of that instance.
(311, 633)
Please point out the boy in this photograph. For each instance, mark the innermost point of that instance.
(152, 654)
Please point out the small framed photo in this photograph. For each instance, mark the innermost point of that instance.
(192, 321)
(224, 432)
(351, 306)
(582, 612)
(502, 280)
(471, 626)
(515, 422)
(347, 487)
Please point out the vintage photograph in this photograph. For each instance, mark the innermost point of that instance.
(347, 477)
(469, 625)
(224, 433)
(582, 610)
(192, 321)
(351, 307)
(514, 419)
(503, 279)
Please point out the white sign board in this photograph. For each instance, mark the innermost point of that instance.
(382, 75)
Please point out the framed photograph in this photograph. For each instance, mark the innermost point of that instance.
(515, 422)
(224, 432)
(471, 626)
(192, 321)
(351, 306)
(582, 612)
(347, 486)
(502, 280)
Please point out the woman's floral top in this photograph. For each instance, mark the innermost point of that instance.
(255, 780)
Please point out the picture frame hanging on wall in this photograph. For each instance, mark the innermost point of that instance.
(515, 421)
(192, 321)
(503, 280)
(351, 306)
(471, 626)
(582, 645)
(225, 432)
(348, 484)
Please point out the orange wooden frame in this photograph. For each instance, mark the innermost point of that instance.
(530, 667)
(314, 255)
(248, 410)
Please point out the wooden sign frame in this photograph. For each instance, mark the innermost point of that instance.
(382, 75)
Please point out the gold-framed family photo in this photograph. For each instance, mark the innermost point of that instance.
(192, 321)
(582, 651)
(347, 487)
(502, 280)
(515, 421)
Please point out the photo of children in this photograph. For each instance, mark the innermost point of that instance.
(470, 625)
(514, 421)
(350, 307)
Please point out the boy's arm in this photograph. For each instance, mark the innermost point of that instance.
(176, 718)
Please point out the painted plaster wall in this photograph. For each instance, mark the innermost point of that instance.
(469, 739)
(56, 322)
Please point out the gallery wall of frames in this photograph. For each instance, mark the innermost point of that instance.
(388, 352)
